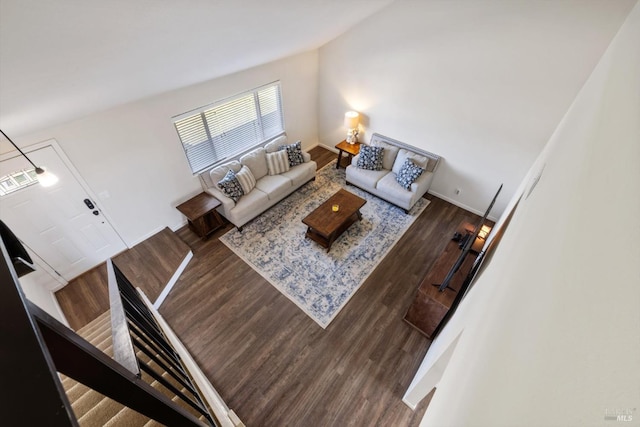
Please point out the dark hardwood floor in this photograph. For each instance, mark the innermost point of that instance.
(273, 365)
(149, 265)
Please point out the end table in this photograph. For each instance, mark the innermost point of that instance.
(202, 215)
(350, 149)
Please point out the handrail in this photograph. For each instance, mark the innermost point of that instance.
(144, 335)
(74, 357)
(123, 350)
(222, 413)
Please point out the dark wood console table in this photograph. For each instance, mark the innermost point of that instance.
(430, 306)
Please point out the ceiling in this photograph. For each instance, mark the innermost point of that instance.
(65, 59)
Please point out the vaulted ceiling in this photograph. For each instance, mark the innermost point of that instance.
(65, 59)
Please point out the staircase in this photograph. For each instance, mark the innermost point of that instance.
(91, 408)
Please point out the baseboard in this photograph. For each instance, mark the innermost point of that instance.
(410, 405)
(330, 148)
(165, 292)
(144, 237)
(462, 205)
(179, 225)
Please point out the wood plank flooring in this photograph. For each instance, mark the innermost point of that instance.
(149, 265)
(274, 366)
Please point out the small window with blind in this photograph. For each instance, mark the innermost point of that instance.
(225, 129)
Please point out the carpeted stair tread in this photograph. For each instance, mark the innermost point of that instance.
(101, 413)
(92, 408)
(86, 403)
(127, 417)
(76, 391)
(97, 324)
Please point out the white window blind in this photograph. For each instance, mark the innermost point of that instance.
(219, 131)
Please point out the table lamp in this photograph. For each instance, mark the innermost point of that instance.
(351, 121)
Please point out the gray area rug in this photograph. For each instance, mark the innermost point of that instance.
(318, 282)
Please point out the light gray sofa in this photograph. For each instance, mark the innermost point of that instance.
(383, 183)
(268, 190)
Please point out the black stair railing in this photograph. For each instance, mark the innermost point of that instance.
(38, 347)
(139, 334)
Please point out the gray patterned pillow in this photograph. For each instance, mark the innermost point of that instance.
(370, 158)
(409, 172)
(231, 186)
(294, 151)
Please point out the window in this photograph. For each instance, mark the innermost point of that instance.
(17, 180)
(225, 129)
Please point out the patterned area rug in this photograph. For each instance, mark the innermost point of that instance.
(318, 282)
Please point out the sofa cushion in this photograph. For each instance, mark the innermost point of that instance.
(275, 186)
(409, 172)
(390, 187)
(403, 155)
(277, 162)
(246, 179)
(301, 173)
(364, 178)
(256, 160)
(249, 206)
(230, 186)
(276, 144)
(294, 152)
(216, 174)
(389, 154)
(370, 158)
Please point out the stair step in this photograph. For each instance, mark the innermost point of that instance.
(92, 408)
(101, 413)
(86, 403)
(95, 325)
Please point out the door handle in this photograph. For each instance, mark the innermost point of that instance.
(89, 204)
(96, 213)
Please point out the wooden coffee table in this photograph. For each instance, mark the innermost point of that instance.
(325, 225)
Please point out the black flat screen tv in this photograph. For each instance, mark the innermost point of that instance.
(466, 246)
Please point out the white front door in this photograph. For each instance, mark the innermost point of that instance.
(58, 222)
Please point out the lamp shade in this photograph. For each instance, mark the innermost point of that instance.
(351, 119)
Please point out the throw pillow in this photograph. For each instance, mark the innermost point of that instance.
(408, 174)
(230, 186)
(246, 179)
(277, 162)
(294, 151)
(370, 158)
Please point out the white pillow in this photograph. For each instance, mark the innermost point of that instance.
(246, 179)
(277, 162)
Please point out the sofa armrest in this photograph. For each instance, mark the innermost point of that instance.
(354, 160)
(422, 184)
(227, 202)
(306, 156)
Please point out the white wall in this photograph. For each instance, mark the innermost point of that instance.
(37, 292)
(483, 84)
(549, 333)
(133, 153)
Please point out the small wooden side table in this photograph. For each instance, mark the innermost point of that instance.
(350, 149)
(202, 215)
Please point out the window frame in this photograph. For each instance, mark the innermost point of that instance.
(201, 113)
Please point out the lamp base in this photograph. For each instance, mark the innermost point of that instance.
(352, 136)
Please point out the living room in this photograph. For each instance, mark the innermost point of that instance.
(484, 85)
